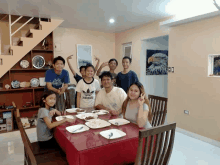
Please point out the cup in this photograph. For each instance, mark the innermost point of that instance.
(42, 81)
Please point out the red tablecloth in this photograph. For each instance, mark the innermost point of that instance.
(91, 148)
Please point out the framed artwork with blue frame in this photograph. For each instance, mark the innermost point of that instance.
(156, 62)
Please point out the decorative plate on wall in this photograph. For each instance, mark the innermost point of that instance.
(38, 61)
(24, 64)
(35, 82)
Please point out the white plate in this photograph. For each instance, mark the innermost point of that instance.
(115, 133)
(59, 118)
(84, 115)
(76, 128)
(71, 110)
(100, 112)
(97, 123)
(119, 121)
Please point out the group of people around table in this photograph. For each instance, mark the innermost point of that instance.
(121, 94)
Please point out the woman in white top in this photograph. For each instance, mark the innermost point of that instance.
(136, 107)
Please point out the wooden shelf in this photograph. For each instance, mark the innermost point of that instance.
(30, 69)
(19, 89)
(27, 108)
(22, 95)
(42, 50)
(6, 110)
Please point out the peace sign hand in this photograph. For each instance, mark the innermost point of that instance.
(69, 57)
(141, 99)
(96, 58)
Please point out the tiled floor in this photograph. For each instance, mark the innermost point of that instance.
(186, 151)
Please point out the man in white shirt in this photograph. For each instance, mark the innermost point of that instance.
(109, 97)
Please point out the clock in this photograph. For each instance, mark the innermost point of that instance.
(38, 61)
(24, 64)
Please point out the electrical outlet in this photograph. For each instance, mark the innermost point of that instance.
(186, 112)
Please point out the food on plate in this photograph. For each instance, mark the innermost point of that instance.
(80, 110)
(89, 118)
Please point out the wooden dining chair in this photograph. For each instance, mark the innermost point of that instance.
(163, 145)
(37, 150)
(30, 158)
(159, 109)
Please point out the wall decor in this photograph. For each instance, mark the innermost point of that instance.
(15, 84)
(214, 65)
(38, 61)
(156, 62)
(24, 64)
(84, 55)
(35, 82)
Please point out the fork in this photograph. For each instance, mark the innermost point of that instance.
(78, 129)
(110, 135)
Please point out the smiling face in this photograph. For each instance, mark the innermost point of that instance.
(107, 82)
(89, 72)
(50, 101)
(112, 65)
(134, 92)
(126, 63)
(59, 65)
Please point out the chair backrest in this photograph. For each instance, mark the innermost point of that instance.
(160, 139)
(27, 147)
(21, 129)
(159, 109)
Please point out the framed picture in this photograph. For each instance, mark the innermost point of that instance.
(214, 65)
(156, 62)
(84, 55)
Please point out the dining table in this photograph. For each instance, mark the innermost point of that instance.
(90, 148)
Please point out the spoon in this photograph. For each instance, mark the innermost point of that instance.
(78, 129)
(110, 135)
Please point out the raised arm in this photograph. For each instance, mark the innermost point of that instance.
(97, 65)
(100, 68)
(70, 66)
(142, 114)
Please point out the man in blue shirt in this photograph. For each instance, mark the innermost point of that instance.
(57, 80)
(126, 77)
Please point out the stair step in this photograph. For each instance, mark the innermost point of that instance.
(20, 42)
(38, 26)
(29, 34)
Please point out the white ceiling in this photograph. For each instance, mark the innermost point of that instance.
(91, 14)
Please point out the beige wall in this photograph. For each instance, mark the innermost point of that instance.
(189, 88)
(135, 36)
(103, 45)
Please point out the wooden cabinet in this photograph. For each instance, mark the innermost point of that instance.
(23, 95)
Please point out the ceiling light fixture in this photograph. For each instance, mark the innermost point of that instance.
(111, 20)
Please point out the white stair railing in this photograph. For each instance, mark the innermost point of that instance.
(11, 24)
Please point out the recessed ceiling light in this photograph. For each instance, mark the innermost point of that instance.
(111, 20)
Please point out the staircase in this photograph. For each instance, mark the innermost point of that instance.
(26, 44)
